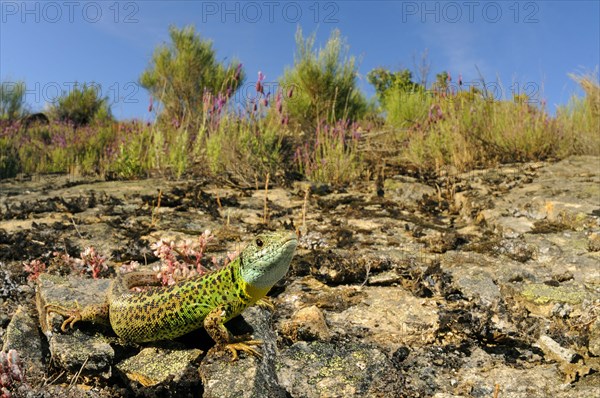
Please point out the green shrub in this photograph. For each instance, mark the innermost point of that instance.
(82, 106)
(579, 120)
(404, 102)
(335, 156)
(247, 148)
(465, 131)
(182, 74)
(323, 84)
(386, 83)
(137, 151)
(406, 108)
(10, 163)
(12, 100)
(518, 132)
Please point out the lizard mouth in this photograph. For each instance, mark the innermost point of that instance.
(290, 242)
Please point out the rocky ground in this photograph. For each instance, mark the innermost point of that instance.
(485, 284)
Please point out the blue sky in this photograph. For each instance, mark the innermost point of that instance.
(529, 46)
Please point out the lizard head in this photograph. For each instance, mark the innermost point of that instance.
(266, 259)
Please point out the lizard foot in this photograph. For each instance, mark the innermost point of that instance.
(266, 302)
(245, 346)
(73, 315)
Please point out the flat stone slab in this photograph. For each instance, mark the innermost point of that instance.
(394, 316)
(153, 365)
(76, 352)
(569, 188)
(321, 369)
(66, 292)
(23, 336)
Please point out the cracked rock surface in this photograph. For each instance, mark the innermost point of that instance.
(476, 285)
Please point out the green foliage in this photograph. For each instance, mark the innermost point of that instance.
(182, 73)
(335, 156)
(10, 163)
(441, 82)
(466, 131)
(133, 158)
(388, 83)
(312, 125)
(324, 83)
(579, 120)
(82, 106)
(248, 149)
(403, 101)
(12, 100)
(404, 109)
(518, 132)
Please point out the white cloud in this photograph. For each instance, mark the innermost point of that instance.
(457, 43)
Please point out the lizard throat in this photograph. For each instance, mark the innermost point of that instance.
(255, 293)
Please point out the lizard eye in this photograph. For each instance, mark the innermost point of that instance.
(259, 242)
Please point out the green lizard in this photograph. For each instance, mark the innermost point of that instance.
(205, 301)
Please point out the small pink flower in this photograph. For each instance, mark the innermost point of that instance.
(278, 102)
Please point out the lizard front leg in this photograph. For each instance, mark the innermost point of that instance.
(214, 326)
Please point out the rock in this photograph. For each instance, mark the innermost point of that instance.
(319, 189)
(406, 190)
(554, 350)
(565, 193)
(385, 278)
(307, 291)
(540, 293)
(22, 335)
(392, 315)
(540, 382)
(307, 324)
(476, 284)
(516, 258)
(341, 266)
(66, 292)
(320, 369)
(576, 371)
(74, 351)
(8, 285)
(441, 243)
(247, 377)
(79, 352)
(154, 365)
(516, 249)
(594, 339)
(594, 242)
(4, 320)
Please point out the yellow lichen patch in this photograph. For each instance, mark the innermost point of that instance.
(544, 294)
